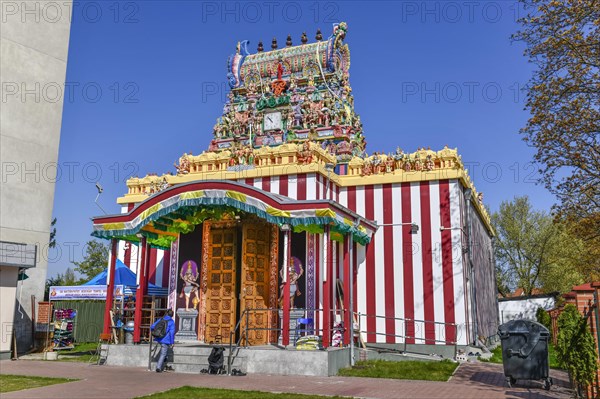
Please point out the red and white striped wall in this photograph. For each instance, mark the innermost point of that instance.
(413, 283)
(416, 277)
(302, 186)
(400, 275)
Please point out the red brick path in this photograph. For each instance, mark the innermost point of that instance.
(472, 380)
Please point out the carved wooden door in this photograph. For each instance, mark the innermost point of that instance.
(221, 298)
(254, 291)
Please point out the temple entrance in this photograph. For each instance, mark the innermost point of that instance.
(241, 273)
(221, 291)
(255, 280)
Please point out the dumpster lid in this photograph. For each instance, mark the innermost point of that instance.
(522, 327)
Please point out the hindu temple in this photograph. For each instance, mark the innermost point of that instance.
(284, 215)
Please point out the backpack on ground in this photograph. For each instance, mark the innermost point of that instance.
(160, 329)
(216, 360)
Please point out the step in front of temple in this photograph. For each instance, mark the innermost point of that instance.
(195, 359)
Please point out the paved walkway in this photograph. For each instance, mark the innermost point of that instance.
(471, 380)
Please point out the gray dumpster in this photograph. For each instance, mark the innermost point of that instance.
(525, 351)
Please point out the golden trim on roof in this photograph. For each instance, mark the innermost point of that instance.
(292, 158)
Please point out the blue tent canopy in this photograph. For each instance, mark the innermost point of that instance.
(128, 279)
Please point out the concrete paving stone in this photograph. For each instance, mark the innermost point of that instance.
(472, 380)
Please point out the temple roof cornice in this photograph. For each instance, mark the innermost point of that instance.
(292, 159)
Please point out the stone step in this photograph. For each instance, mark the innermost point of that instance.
(188, 350)
(193, 358)
(237, 363)
(191, 350)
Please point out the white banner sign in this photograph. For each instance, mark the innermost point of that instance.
(82, 292)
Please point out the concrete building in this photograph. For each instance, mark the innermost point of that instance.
(34, 38)
(525, 307)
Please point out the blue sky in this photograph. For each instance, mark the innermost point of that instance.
(146, 81)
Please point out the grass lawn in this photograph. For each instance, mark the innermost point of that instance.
(9, 383)
(552, 361)
(187, 392)
(81, 353)
(404, 370)
(496, 355)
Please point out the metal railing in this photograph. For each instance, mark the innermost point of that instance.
(316, 314)
(408, 324)
(305, 311)
(411, 323)
(237, 344)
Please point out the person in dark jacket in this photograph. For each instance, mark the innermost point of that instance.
(167, 341)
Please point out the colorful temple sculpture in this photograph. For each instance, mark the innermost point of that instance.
(286, 216)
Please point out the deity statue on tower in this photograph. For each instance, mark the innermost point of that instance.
(279, 85)
(184, 165)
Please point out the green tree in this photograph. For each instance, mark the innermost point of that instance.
(589, 257)
(563, 97)
(95, 260)
(575, 349)
(532, 251)
(543, 318)
(564, 267)
(52, 281)
(69, 277)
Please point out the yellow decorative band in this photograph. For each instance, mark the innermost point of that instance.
(150, 211)
(192, 194)
(114, 226)
(276, 212)
(325, 213)
(236, 196)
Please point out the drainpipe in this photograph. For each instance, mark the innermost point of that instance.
(468, 194)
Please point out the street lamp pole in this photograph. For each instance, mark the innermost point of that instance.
(100, 190)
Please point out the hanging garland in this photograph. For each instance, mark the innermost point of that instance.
(180, 214)
(310, 228)
(336, 236)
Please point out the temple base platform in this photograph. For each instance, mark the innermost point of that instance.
(270, 359)
(193, 358)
